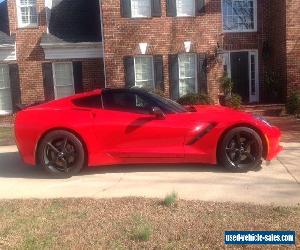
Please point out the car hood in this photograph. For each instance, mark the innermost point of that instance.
(219, 113)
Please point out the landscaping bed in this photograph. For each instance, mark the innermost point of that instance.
(133, 223)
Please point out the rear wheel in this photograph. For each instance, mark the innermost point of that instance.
(61, 154)
(241, 150)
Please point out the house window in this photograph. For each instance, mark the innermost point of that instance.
(239, 15)
(185, 7)
(141, 8)
(5, 92)
(63, 80)
(144, 74)
(27, 13)
(187, 74)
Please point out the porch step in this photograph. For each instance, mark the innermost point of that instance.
(265, 109)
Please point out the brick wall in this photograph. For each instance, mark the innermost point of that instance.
(29, 53)
(293, 45)
(166, 35)
(93, 74)
(277, 62)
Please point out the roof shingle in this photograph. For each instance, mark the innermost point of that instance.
(74, 21)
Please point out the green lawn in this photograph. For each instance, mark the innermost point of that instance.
(134, 223)
(6, 136)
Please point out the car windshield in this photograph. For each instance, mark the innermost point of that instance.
(168, 104)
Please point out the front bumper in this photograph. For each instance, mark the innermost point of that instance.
(273, 136)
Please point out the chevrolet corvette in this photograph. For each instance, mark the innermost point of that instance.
(132, 126)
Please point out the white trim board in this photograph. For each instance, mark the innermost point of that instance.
(73, 51)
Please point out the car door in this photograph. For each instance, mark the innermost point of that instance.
(126, 129)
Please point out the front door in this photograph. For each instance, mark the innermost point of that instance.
(242, 67)
(240, 74)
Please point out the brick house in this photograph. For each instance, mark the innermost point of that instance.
(185, 46)
(48, 49)
(54, 48)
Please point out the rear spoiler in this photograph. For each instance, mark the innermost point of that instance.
(21, 107)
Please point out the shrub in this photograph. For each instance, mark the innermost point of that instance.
(141, 229)
(170, 199)
(194, 99)
(226, 84)
(235, 101)
(293, 104)
(273, 87)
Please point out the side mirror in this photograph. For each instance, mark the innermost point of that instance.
(158, 113)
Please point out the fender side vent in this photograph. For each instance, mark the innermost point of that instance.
(201, 134)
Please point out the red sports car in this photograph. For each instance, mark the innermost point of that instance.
(132, 126)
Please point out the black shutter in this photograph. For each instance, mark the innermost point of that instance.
(129, 71)
(15, 86)
(158, 72)
(156, 8)
(77, 73)
(126, 8)
(171, 8)
(48, 81)
(174, 76)
(202, 74)
(200, 7)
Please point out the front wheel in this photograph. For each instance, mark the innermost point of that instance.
(61, 154)
(241, 150)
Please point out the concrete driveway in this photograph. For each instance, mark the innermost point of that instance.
(278, 183)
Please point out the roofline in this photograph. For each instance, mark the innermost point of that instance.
(7, 45)
(72, 45)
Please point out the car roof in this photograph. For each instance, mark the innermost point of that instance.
(124, 90)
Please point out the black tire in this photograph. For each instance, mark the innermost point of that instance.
(241, 150)
(61, 154)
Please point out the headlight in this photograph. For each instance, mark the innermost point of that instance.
(263, 119)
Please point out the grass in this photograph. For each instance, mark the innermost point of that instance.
(141, 230)
(133, 223)
(170, 199)
(6, 136)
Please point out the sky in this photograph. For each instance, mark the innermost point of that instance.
(1, 1)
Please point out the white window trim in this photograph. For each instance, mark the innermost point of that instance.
(241, 30)
(7, 112)
(196, 72)
(194, 11)
(54, 78)
(132, 16)
(19, 14)
(153, 80)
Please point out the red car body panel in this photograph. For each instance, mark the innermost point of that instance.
(114, 137)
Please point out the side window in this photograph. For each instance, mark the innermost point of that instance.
(27, 13)
(63, 80)
(126, 102)
(185, 7)
(89, 102)
(5, 90)
(141, 8)
(239, 15)
(187, 74)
